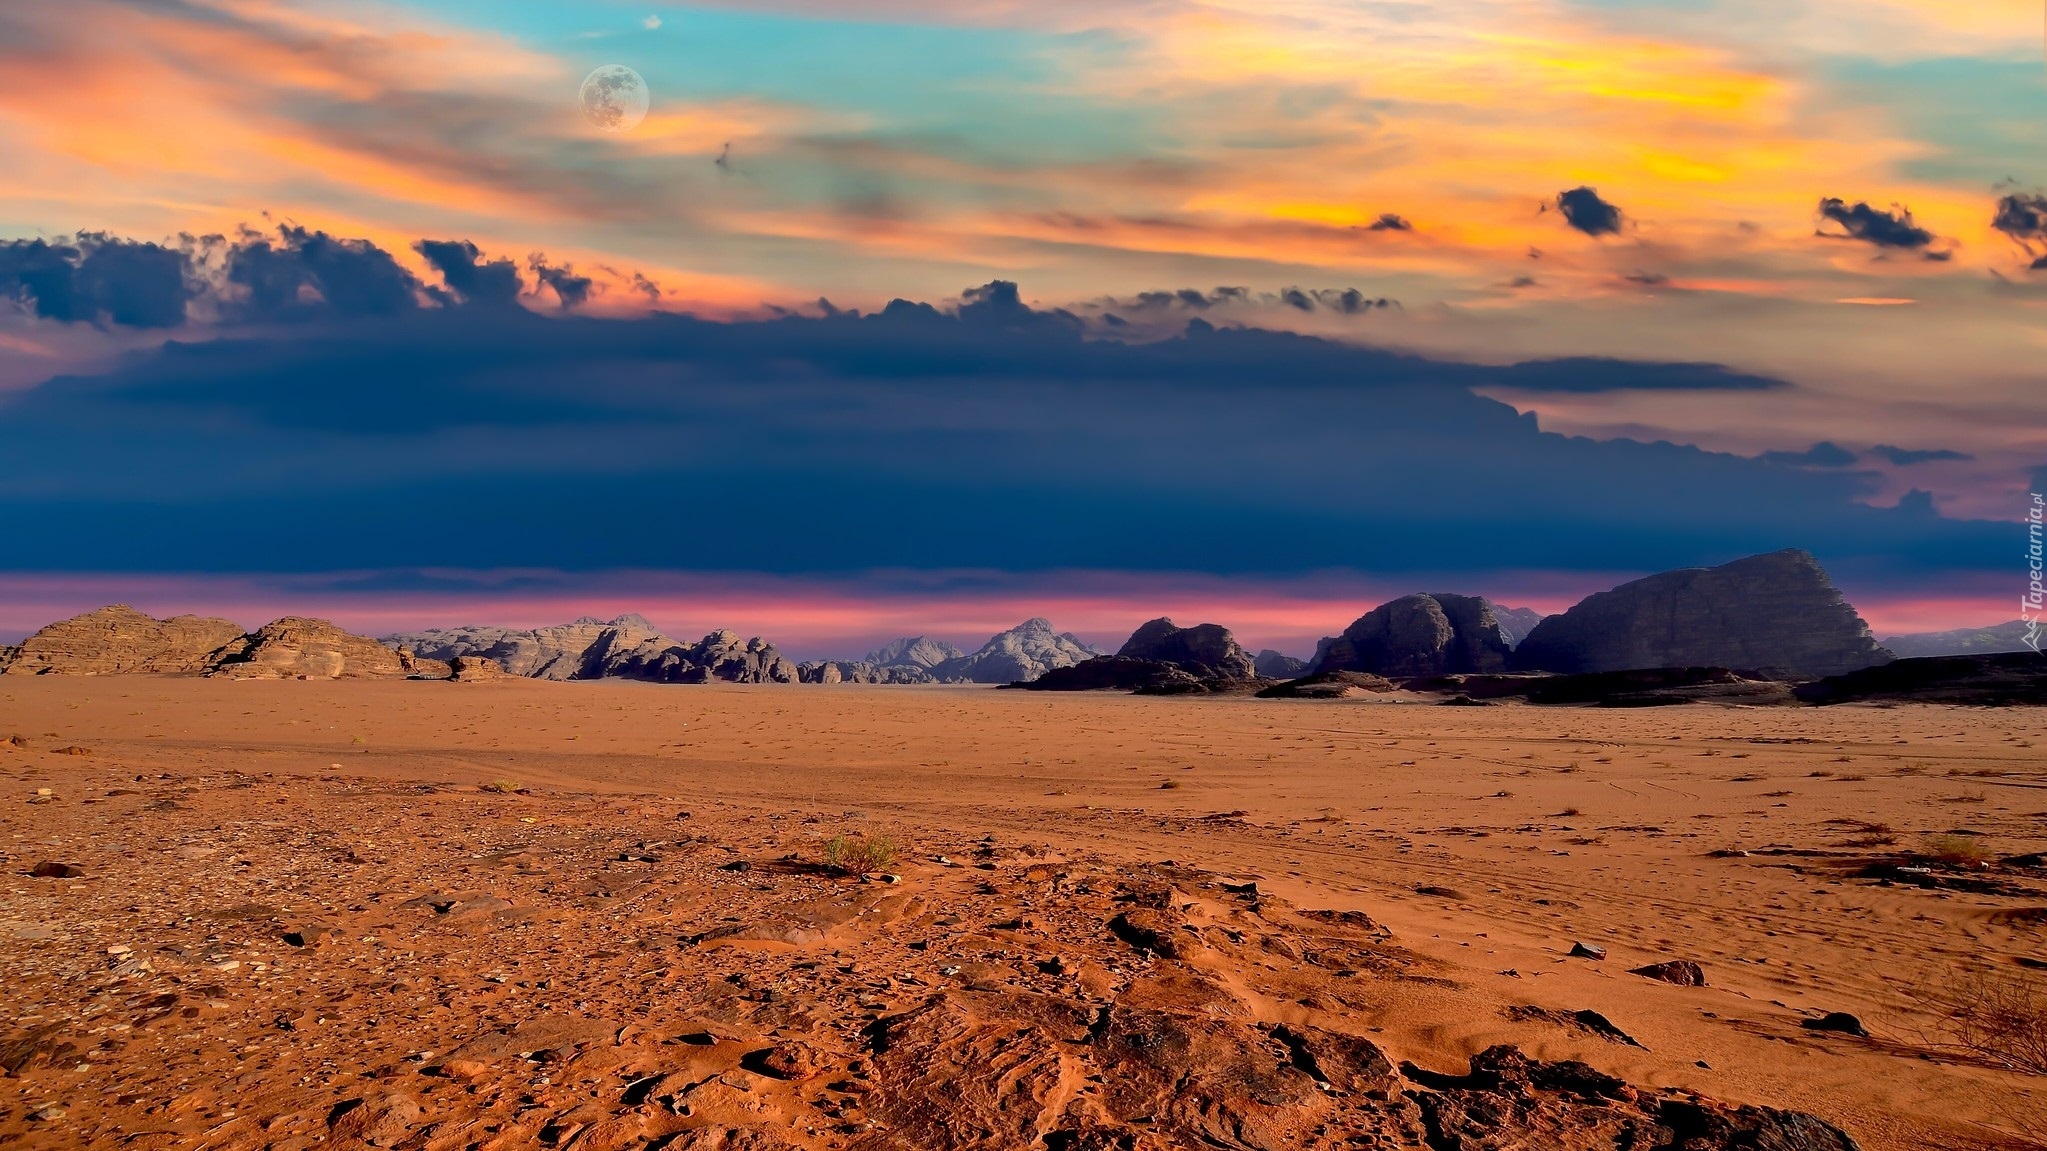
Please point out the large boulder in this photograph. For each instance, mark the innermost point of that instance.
(1777, 613)
(119, 640)
(1019, 655)
(296, 647)
(1205, 650)
(1436, 634)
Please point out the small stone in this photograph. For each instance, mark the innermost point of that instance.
(1588, 951)
(49, 870)
(1839, 1022)
(1682, 972)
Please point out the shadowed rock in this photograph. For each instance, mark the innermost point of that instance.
(1986, 680)
(1419, 635)
(1205, 650)
(1272, 664)
(1776, 612)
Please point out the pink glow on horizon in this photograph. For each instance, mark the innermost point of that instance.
(820, 617)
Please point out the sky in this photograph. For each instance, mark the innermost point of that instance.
(898, 316)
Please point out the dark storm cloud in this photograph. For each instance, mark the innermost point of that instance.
(304, 275)
(1584, 210)
(1821, 455)
(1906, 457)
(1389, 222)
(2023, 217)
(463, 270)
(1892, 229)
(96, 279)
(990, 434)
(1586, 374)
(1348, 301)
(570, 289)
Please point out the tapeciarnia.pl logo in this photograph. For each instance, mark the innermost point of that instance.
(2034, 604)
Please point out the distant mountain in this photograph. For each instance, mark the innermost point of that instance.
(1205, 649)
(1778, 613)
(1517, 622)
(1019, 655)
(860, 671)
(1278, 665)
(1439, 634)
(1962, 641)
(913, 651)
(627, 647)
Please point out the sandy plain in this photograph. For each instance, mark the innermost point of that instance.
(633, 948)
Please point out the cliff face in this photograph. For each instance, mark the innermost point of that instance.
(577, 650)
(1415, 635)
(860, 671)
(1778, 613)
(720, 657)
(119, 640)
(296, 646)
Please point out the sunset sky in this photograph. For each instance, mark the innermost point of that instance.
(261, 350)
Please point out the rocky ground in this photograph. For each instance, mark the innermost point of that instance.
(288, 915)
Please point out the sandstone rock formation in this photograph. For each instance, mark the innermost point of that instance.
(916, 651)
(1436, 634)
(1517, 622)
(1161, 658)
(1777, 613)
(472, 668)
(577, 650)
(720, 657)
(1023, 653)
(860, 671)
(1272, 664)
(1962, 641)
(119, 640)
(297, 647)
(1205, 650)
(1331, 685)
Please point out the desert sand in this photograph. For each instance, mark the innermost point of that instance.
(512, 913)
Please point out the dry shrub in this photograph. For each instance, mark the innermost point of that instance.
(859, 855)
(1956, 850)
(1999, 1016)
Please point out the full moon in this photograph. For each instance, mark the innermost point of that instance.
(614, 98)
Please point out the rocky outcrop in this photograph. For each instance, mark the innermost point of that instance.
(1516, 622)
(1438, 634)
(1331, 685)
(1777, 613)
(474, 668)
(2003, 637)
(577, 650)
(1161, 658)
(860, 671)
(1019, 655)
(1272, 664)
(720, 657)
(1206, 651)
(917, 651)
(296, 647)
(119, 640)
(2002, 680)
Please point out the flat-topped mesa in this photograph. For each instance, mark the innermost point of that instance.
(1419, 635)
(1777, 613)
(118, 640)
(1019, 655)
(297, 647)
